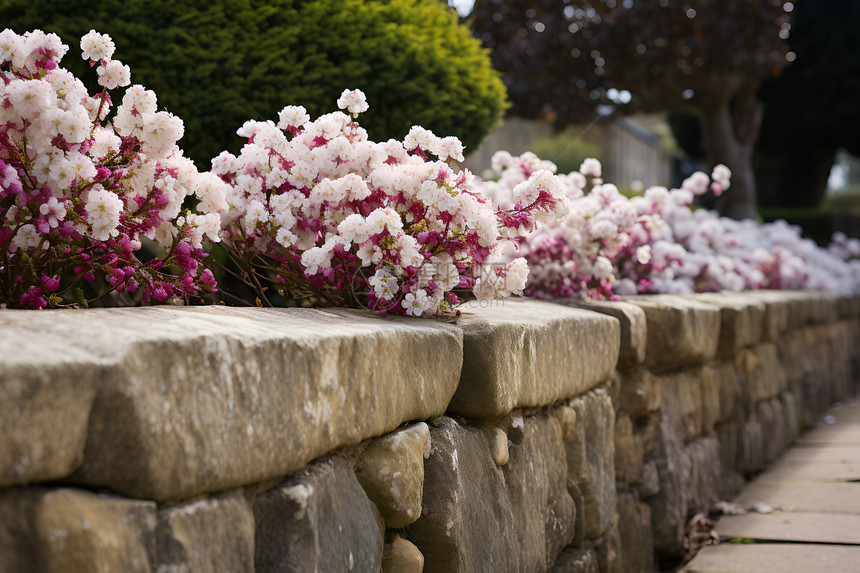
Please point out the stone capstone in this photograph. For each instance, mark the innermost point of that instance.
(634, 331)
(207, 536)
(166, 403)
(681, 331)
(69, 530)
(526, 353)
(318, 520)
(391, 470)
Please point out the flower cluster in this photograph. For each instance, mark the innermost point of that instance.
(318, 210)
(78, 192)
(610, 245)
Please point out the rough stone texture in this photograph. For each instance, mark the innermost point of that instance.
(207, 536)
(590, 460)
(391, 470)
(761, 373)
(197, 399)
(576, 561)
(634, 529)
(639, 393)
(649, 484)
(629, 451)
(319, 520)
(634, 331)
(776, 310)
(741, 320)
(608, 550)
(472, 509)
(536, 477)
(65, 530)
(530, 354)
(401, 556)
(681, 402)
(750, 447)
(724, 378)
(681, 331)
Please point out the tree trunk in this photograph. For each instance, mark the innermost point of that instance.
(729, 139)
(793, 175)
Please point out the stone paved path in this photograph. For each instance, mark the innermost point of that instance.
(815, 492)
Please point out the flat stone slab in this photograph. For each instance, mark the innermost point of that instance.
(634, 329)
(802, 527)
(843, 433)
(839, 454)
(165, 403)
(788, 471)
(814, 497)
(681, 331)
(741, 320)
(775, 558)
(526, 353)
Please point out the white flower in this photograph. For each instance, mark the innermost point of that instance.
(416, 304)
(293, 116)
(114, 74)
(53, 211)
(384, 284)
(97, 46)
(26, 237)
(590, 167)
(10, 43)
(103, 211)
(353, 100)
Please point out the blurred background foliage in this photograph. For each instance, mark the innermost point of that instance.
(218, 63)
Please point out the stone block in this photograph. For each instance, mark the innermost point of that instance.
(791, 411)
(634, 529)
(629, 451)
(681, 331)
(751, 447)
(590, 460)
(777, 308)
(526, 353)
(731, 480)
(634, 331)
(318, 520)
(401, 556)
(196, 399)
(391, 470)
(682, 402)
(472, 509)
(639, 392)
(741, 320)
(723, 378)
(70, 530)
(762, 374)
(536, 478)
(576, 561)
(607, 547)
(649, 484)
(207, 536)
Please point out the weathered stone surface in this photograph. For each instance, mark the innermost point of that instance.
(498, 440)
(319, 520)
(639, 393)
(608, 550)
(527, 353)
(576, 561)
(776, 312)
(391, 470)
(634, 529)
(761, 373)
(467, 521)
(207, 536)
(773, 558)
(536, 477)
(750, 447)
(649, 484)
(590, 460)
(401, 556)
(772, 417)
(731, 481)
(681, 402)
(681, 331)
(741, 320)
(629, 451)
(634, 331)
(189, 400)
(472, 509)
(65, 530)
(723, 378)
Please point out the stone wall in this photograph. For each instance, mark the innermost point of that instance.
(526, 436)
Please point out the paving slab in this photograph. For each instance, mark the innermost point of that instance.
(817, 497)
(788, 471)
(775, 558)
(821, 455)
(784, 526)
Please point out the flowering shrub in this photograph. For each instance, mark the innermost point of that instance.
(317, 209)
(78, 191)
(609, 245)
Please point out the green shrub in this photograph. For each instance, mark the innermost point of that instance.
(218, 63)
